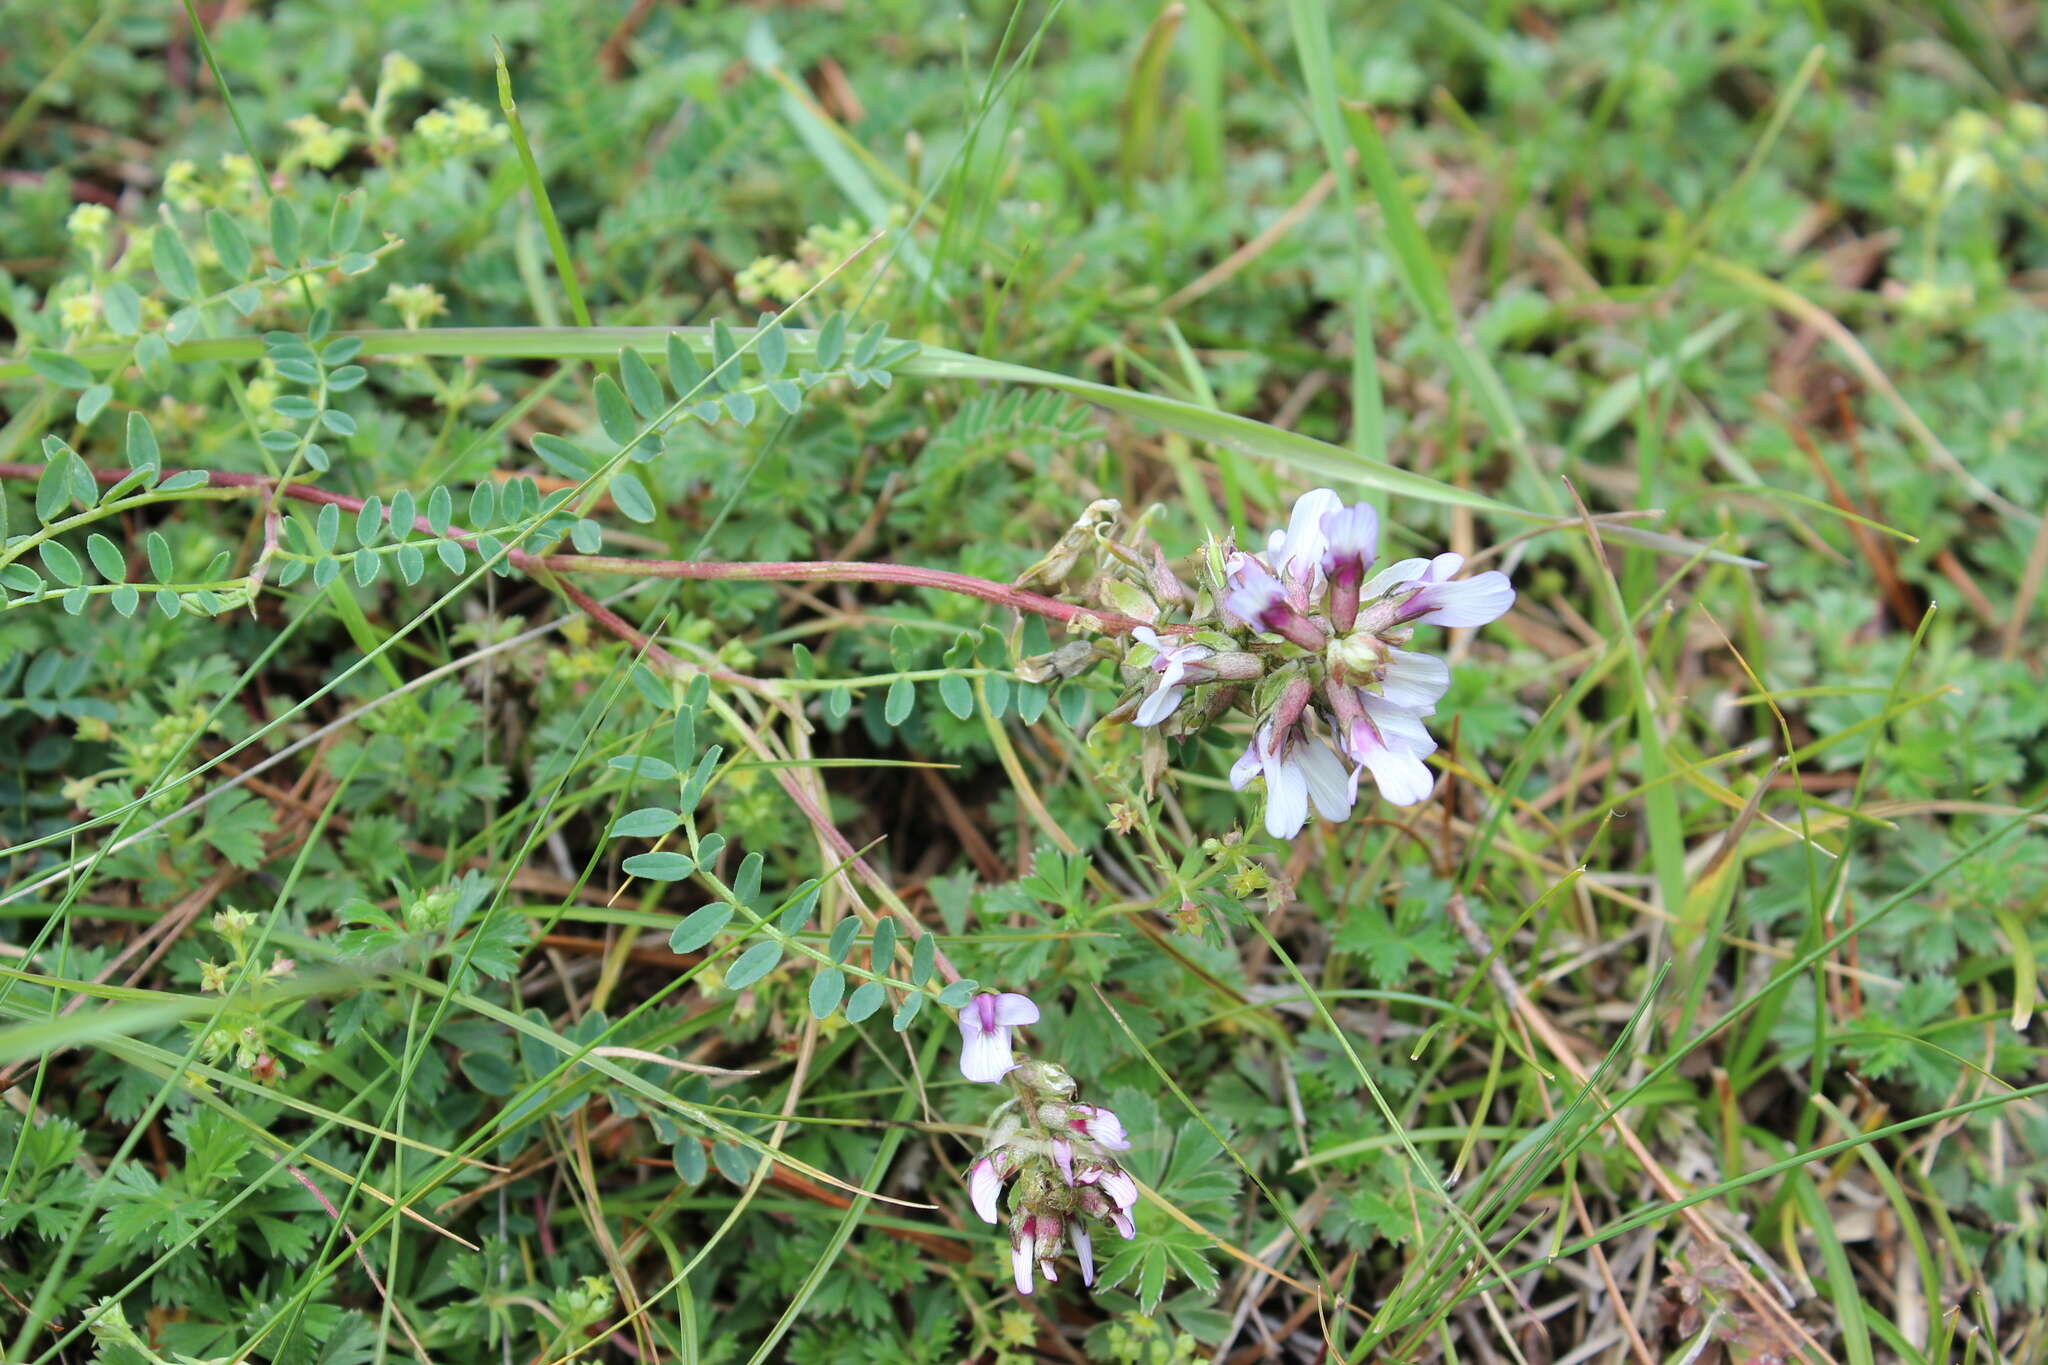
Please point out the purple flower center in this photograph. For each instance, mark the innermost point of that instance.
(985, 1005)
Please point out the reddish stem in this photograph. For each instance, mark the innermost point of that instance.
(796, 571)
(842, 571)
(597, 611)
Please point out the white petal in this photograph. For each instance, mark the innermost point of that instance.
(1013, 1009)
(1395, 574)
(985, 1057)
(1328, 786)
(1246, 768)
(1417, 681)
(1401, 730)
(970, 1024)
(1402, 778)
(1469, 602)
(1105, 1128)
(983, 1184)
(1118, 1185)
(1063, 1157)
(1084, 1250)
(1302, 554)
(1125, 1224)
(1163, 702)
(1352, 531)
(1286, 799)
(1145, 635)
(1020, 1267)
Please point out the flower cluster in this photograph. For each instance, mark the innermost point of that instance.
(461, 127)
(317, 143)
(1322, 639)
(776, 281)
(1056, 1154)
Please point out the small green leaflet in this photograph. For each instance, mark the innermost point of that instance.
(843, 935)
(958, 695)
(632, 498)
(828, 987)
(660, 867)
(699, 927)
(866, 999)
(907, 1011)
(902, 699)
(755, 963)
(648, 822)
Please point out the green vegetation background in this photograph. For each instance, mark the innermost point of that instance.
(1700, 1012)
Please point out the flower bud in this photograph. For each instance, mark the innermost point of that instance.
(1166, 585)
(1045, 1078)
(1073, 657)
(1261, 601)
(1350, 541)
(1355, 660)
(1236, 665)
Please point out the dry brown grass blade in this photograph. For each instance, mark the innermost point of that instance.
(1753, 1291)
(1883, 563)
(1222, 272)
(397, 1313)
(2030, 589)
(1238, 1253)
(1790, 301)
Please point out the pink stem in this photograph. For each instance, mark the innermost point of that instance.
(799, 571)
(554, 564)
(356, 1247)
(842, 571)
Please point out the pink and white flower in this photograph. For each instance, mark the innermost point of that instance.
(1057, 1156)
(1386, 740)
(1298, 769)
(1034, 1242)
(1433, 598)
(1100, 1126)
(1297, 553)
(1253, 591)
(1174, 663)
(1023, 1253)
(1350, 542)
(985, 1026)
(1096, 1204)
(1113, 1181)
(1263, 602)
